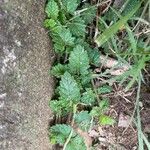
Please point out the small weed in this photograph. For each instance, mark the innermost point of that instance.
(80, 36)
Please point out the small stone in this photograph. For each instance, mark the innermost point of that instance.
(124, 120)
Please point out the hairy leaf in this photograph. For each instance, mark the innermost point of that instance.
(106, 120)
(98, 111)
(86, 80)
(66, 36)
(83, 120)
(79, 61)
(89, 14)
(88, 97)
(62, 39)
(76, 143)
(52, 9)
(50, 23)
(58, 70)
(60, 107)
(77, 27)
(104, 89)
(69, 5)
(59, 133)
(68, 88)
(95, 112)
(94, 56)
(103, 105)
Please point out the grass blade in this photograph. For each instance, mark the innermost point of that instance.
(108, 33)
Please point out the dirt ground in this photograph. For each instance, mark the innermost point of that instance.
(123, 135)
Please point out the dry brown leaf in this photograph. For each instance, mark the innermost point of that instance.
(110, 63)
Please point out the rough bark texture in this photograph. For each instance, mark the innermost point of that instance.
(25, 85)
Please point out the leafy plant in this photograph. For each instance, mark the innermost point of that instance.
(77, 99)
(68, 32)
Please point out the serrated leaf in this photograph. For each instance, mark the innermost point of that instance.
(52, 9)
(67, 37)
(83, 120)
(60, 107)
(62, 39)
(76, 143)
(88, 97)
(104, 89)
(69, 89)
(69, 5)
(103, 105)
(98, 111)
(95, 112)
(86, 80)
(50, 23)
(60, 133)
(56, 29)
(58, 70)
(59, 47)
(79, 61)
(77, 27)
(89, 14)
(94, 56)
(62, 17)
(106, 120)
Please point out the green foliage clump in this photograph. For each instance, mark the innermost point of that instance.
(67, 27)
(76, 98)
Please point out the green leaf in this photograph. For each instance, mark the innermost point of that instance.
(98, 111)
(106, 120)
(103, 105)
(95, 112)
(109, 32)
(69, 5)
(63, 39)
(69, 89)
(60, 132)
(62, 18)
(76, 143)
(50, 23)
(59, 47)
(89, 14)
(94, 56)
(58, 70)
(135, 72)
(83, 120)
(130, 6)
(60, 107)
(52, 9)
(66, 37)
(88, 97)
(79, 61)
(77, 27)
(104, 89)
(86, 80)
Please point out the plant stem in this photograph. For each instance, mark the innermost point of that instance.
(140, 139)
(72, 123)
(68, 139)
